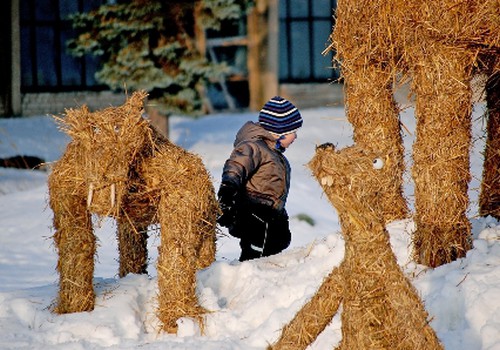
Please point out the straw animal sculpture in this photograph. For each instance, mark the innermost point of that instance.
(381, 308)
(438, 45)
(118, 166)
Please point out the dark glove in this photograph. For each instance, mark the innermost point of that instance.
(228, 196)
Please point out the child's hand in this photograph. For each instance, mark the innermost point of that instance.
(227, 203)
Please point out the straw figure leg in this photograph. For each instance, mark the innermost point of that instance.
(207, 248)
(74, 240)
(441, 170)
(176, 268)
(381, 309)
(489, 198)
(132, 246)
(411, 315)
(178, 260)
(186, 213)
(374, 115)
(314, 316)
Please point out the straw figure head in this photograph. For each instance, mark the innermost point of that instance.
(353, 178)
(109, 143)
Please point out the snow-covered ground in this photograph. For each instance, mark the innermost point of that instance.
(250, 301)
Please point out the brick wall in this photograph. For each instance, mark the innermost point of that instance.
(314, 95)
(56, 103)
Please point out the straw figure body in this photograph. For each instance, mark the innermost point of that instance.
(438, 45)
(118, 166)
(380, 307)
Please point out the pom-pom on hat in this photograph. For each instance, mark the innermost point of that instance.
(279, 116)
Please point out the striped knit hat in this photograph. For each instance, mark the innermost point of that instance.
(280, 116)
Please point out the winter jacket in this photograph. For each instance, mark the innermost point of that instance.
(258, 168)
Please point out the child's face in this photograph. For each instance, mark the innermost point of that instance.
(288, 139)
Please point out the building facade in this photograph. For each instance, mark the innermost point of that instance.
(41, 77)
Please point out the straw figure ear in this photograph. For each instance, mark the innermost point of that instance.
(437, 46)
(380, 307)
(118, 165)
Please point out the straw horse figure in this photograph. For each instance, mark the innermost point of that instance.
(438, 45)
(381, 308)
(117, 166)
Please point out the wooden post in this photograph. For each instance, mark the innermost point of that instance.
(262, 59)
(14, 98)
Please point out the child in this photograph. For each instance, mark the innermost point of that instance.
(256, 180)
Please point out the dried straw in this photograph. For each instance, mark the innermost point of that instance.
(381, 308)
(375, 118)
(441, 170)
(314, 316)
(187, 209)
(439, 45)
(117, 165)
(76, 245)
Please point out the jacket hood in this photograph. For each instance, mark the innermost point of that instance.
(253, 131)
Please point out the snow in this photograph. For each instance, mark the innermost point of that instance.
(249, 302)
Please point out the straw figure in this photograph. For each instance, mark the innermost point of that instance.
(380, 307)
(118, 166)
(438, 45)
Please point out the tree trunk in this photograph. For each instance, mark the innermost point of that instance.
(132, 246)
(158, 120)
(262, 57)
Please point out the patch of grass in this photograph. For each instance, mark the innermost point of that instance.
(306, 218)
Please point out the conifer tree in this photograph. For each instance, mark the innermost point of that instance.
(150, 45)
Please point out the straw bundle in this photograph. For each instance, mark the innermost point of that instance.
(187, 210)
(381, 308)
(441, 170)
(117, 165)
(75, 241)
(438, 45)
(362, 40)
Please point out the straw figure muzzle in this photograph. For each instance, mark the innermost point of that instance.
(116, 165)
(380, 307)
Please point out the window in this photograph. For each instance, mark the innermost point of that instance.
(305, 26)
(45, 63)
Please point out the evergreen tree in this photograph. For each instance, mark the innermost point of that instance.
(150, 45)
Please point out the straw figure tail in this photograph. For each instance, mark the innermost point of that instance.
(116, 165)
(380, 307)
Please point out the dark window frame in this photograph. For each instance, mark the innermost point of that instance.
(32, 26)
(287, 21)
